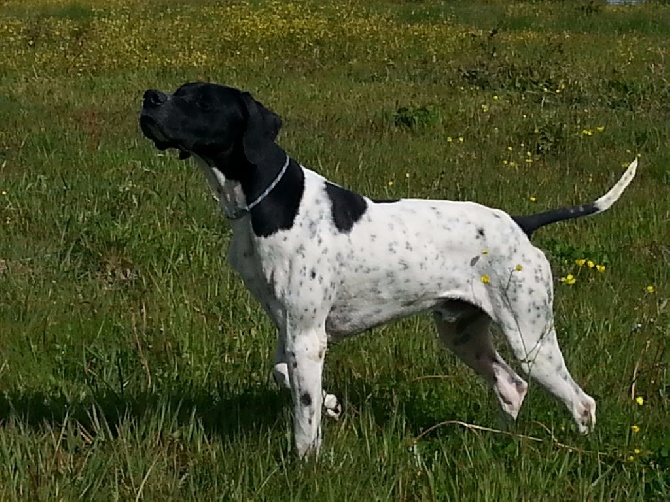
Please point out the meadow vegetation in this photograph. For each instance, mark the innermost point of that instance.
(134, 364)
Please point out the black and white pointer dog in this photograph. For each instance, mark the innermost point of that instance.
(327, 263)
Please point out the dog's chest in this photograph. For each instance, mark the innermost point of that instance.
(276, 270)
(244, 259)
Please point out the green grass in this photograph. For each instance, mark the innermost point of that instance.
(133, 363)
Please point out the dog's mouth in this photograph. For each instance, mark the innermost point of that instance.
(152, 130)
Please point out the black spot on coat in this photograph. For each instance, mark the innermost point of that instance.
(346, 207)
(306, 399)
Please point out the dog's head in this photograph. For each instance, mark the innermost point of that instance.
(220, 124)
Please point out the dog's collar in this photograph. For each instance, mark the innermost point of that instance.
(239, 212)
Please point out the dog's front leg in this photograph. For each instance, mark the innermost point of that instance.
(305, 353)
(331, 403)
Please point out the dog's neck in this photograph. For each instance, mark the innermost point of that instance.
(228, 192)
(255, 182)
(274, 192)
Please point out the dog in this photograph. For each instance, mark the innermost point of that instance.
(327, 263)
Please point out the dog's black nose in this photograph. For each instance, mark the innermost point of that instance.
(153, 98)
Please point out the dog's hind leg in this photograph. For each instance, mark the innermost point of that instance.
(526, 319)
(541, 358)
(465, 330)
(331, 404)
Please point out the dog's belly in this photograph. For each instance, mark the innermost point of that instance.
(346, 320)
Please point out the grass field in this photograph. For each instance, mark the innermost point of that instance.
(133, 363)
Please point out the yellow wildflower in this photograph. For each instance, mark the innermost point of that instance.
(587, 132)
(532, 198)
(600, 268)
(518, 268)
(4, 192)
(485, 251)
(650, 289)
(568, 279)
(637, 451)
(600, 128)
(391, 183)
(639, 400)
(634, 429)
(485, 279)
(460, 139)
(590, 264)
(580, 262)
(449, 139)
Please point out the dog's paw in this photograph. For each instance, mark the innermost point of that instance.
(332, 406)
(585, 415)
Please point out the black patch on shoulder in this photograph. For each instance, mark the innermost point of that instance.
(306, 399)
(278, 210)
(346, 207)
(385, 201)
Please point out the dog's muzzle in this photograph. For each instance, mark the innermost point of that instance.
(149, 122)
(153, 99)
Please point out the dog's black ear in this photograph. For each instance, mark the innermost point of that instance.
(262, 128)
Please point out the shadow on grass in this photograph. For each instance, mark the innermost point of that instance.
(230, 410)
(418, 405)
(243, 412)
(246, 411)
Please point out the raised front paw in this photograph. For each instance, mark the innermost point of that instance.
(332, 406)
